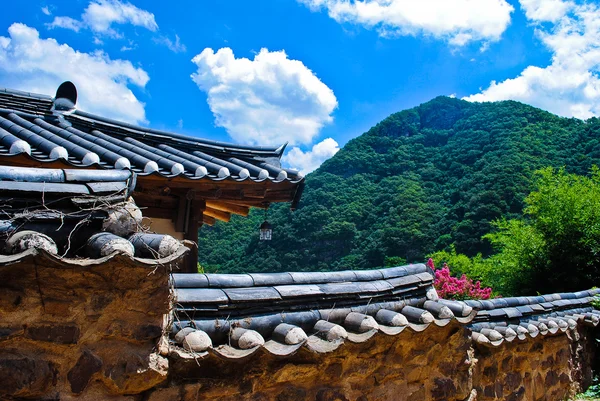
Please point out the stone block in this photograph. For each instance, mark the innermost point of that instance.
(548, 363)
(506, 362)
(133, 374)
(79, 376)
(489, 391)
(57, 307)
(539, 390)
(537, 346)
(512, 380)
(490, 372)
(56, 333)
(25, 377)
(330, 395)
(97, 302)
(443, 389)
(291, 394)
(418, 395)
(551, 379)
(147, 332)
(169, 393)
(192, 392)
(9, 331)
(447, 368)
(518, 395)
(563, 356)
(417, 373)
(10, 299)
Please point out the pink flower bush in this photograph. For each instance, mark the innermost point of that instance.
(449, 287)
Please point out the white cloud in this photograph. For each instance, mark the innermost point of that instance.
(545, 10)
(268, 100)
(40, 65)
(175, 47)
(100, 15)
(310, 160)
(458, 21)
(46, 10)
(66, 23)
(570, 85)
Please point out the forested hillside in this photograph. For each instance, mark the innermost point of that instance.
(417, 182)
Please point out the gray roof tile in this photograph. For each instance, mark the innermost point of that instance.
(30, 118)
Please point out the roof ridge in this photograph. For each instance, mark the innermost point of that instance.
(26, 94)
(276, 151)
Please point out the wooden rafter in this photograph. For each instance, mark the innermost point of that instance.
(217, 214)
(208, 220)
(228, 207)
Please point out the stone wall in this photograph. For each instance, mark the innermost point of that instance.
(411, 366)
(80, 328)
(441, 363)
(543, 368)
(90, 331)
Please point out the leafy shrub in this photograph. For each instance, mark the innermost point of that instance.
(595, 302)
(593, 392)
(556, 246)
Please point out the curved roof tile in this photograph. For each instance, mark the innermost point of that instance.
(31, 127)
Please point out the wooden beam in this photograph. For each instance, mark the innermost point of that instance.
(254, 193)
(278, 196)
(195, 218)
(157, 212)
(208, 221)
(228, 207)
(217, 214)
(257, 204)
(209, 194)
(180, 216)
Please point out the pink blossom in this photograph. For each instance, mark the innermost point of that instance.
(449, 287)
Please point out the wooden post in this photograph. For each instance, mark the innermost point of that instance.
(194, 211)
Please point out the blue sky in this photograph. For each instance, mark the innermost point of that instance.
(315, 73)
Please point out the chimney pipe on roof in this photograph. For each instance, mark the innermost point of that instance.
(66, 97)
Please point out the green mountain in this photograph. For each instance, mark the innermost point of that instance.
(417, 182)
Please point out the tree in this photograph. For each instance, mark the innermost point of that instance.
(556, 246)
(419, 181)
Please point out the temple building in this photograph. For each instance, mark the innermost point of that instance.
(182, 182)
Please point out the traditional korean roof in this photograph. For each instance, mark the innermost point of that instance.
(282, 312)
(519, 318)
(233, 316)
(189, 180)
(47, 129)
(74, 214)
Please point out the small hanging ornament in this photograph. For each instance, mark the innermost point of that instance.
(266, 230)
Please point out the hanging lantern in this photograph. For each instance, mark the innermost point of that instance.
(266, 231)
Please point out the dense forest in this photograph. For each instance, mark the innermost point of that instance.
(422, 180)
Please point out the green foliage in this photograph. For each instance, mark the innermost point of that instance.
(461, 264)
(478, 268)
(419, 181)
(392, 261)
(593, 392)
(557, 246)
(595, 302)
